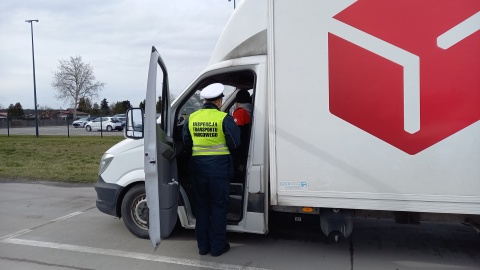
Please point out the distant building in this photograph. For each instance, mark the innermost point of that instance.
(68, 113)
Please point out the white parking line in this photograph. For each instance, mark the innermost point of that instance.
(66, 216)
(131, 255)
(15, 234)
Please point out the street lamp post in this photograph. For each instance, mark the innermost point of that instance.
(34, 83)
(233, 3)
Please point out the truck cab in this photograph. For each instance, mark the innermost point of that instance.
(126, 197)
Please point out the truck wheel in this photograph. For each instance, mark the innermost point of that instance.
(88, 128)
(109, 128)
(135, 211)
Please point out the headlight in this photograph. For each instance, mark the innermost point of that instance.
(104, 162)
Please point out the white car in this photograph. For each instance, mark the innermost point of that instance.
(80, 122)
(104, 123)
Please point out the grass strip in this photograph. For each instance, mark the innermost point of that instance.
(53, 158)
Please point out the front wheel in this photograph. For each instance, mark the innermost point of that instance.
(109, 128)
(88, 128)
(135, 211)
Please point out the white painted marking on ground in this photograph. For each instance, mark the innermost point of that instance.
(15, 234)
(67, 216)
(131, 255)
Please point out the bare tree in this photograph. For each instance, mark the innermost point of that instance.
(75, 80)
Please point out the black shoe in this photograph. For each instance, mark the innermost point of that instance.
(225, 249)
(203, 252)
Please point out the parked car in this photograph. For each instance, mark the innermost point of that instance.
(120, 118)
(104, 123)
(82, 121)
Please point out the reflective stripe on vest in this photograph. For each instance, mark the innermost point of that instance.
(206, 129)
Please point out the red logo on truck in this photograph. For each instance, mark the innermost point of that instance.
(406, 71)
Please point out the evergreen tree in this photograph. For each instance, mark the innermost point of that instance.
(84, 105)
(126, 105)
(121, 107)
(104, 109)
(113, 107)
(95, 109)
(15, 111)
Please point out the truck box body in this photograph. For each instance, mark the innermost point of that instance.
(358, 105)
(340, 103)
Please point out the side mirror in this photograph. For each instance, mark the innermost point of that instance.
(134, 123)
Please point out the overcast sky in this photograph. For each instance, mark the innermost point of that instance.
(114, 36)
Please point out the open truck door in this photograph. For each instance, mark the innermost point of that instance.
(161, 183)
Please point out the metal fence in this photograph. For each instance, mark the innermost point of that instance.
(60, 127)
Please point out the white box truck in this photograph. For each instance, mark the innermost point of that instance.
(360, 108)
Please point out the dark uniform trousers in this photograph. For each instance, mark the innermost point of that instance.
(211, 167)
(212, 195)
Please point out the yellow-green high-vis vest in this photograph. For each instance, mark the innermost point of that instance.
(206, 129)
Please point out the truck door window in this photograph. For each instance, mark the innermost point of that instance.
(193, 104)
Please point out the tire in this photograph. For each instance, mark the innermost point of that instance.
(109, 128)
(88, 128)
(134, 211)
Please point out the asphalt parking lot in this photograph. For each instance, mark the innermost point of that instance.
(57, 226)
